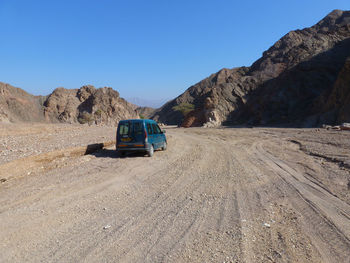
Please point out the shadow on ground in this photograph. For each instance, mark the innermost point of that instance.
(111, 153)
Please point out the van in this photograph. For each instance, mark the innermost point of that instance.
(139, 135)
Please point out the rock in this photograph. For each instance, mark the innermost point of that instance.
(345, 126)
(267, 225)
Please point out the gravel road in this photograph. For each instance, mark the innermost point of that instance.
(215, 195)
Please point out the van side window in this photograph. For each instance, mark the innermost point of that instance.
(156, 129)
(149, 129)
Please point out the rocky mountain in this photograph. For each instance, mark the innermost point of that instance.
(302, 80)
(85, 105)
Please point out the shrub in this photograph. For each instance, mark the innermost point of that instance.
(86, 117)
(98, 113)
(184, 108)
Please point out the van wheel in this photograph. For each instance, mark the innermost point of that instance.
(164, 146)
(120, 154)
(150, 152)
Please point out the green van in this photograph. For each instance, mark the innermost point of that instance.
(139, 135)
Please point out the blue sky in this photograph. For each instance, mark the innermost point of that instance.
(147, 49)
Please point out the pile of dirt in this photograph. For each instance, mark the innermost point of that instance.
(301, 80)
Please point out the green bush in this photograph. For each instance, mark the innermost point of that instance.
(184, 108)
(86, 118)
(98, 113)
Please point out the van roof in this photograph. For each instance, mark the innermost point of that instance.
(137, 120)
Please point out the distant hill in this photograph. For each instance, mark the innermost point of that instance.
(85, 105)
(17, 105)
(145, 112)
(148, 103)
(302, 80)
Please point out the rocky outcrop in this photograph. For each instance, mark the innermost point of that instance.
(289, 84)
(88, 105)
(208, 115)
(62, 106)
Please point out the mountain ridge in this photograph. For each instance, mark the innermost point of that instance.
(224, 97)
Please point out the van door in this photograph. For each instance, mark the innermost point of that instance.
(124, 132)
(151, 138)
(157, 135)
(138, 132)
(131, 132)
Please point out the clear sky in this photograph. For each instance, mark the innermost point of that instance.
(150, 49)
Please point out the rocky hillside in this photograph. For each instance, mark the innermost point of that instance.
(301, 80)
(85, 105)
(17, 105)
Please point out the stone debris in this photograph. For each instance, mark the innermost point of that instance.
(345, 126)
(31, 139)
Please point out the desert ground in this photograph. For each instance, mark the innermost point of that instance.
(215, 195)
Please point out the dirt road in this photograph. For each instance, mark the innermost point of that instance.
(215, 195)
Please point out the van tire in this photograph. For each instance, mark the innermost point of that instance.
(164, 146)
(150, 152)
(120, 154)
